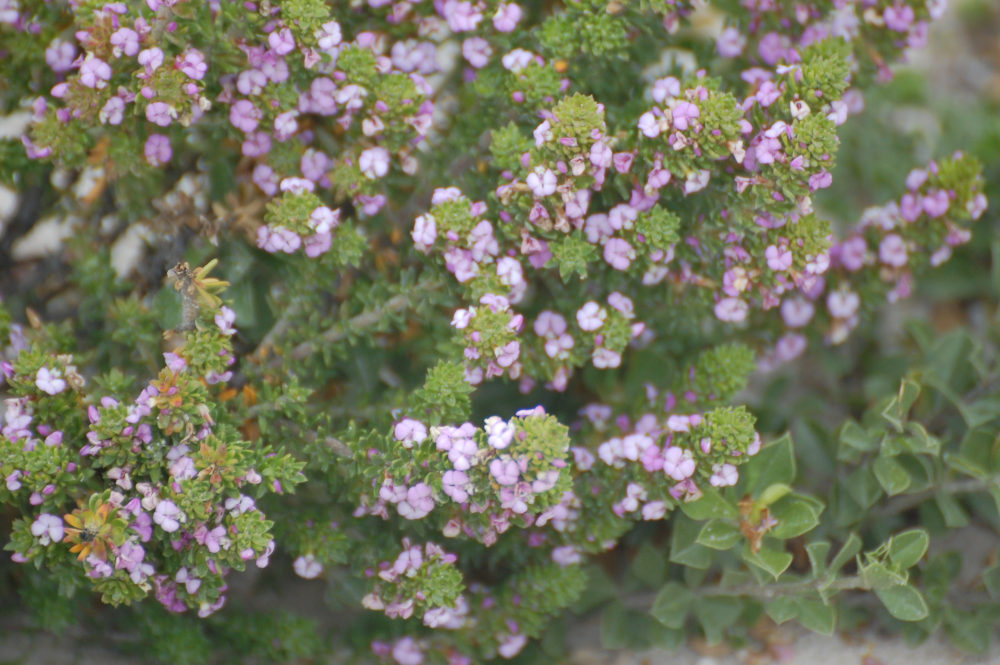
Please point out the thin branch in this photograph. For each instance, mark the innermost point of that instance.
(764, 592)
(908, 501)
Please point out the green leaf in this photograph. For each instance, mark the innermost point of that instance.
(954, 516)
(891, 475)
(879, 576)
(818, 552)
(816, 615)
(719, 535)
(773, 493)
(980, 412)
(795, 516)
(908, 547)
(774, 464)
(967, 630)
(921, 441)
(903, 602)
(772, 561)
(781, 609)
(649, 565)
(848, 551)
(853, 440)
(614, 627)
(672, 605)
(715, 614)
(896, 411)
(991, 578)
(863, 487)
(710, 505)
(684, 548)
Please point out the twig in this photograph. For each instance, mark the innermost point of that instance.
(907, 501)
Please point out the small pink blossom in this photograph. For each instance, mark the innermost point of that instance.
(50, 381)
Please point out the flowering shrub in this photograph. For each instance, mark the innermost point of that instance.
(495, 274)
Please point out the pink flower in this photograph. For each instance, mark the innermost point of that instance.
(542, 182)
(192, 63)
(157, 149)
(307, 567)
(281, 41)
(591, 316)
(94, 72)
(406, 651)
(899, 17)
(604, 358)
(168, 516)
(374, 162)
(684, 114)
(797, 312)
(731, 310)
(730, 43)
(477, 51)
(419, 502)
(666, 88)
(453, 483)
(243, 115)
(618, 253)
(160, 113)
(125, 40)
(47, 528)
(517, 60)
(936, 203)
(649, 125)
(505, 471)
(50, 381)
(892, 250)
(842, 304)
(507, 16)
(409, 432)
(779, 259)
(507, 354)
(724, 475)
(60, 55)
(678, 463)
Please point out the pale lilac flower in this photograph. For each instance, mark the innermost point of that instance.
(192, 63)
(157, 149)
(151, 59)
(508, 354)
(678, 463)
(499, 432)
(281, 41)
(409, 432)
(618, 253)
(591, 316)
(724, 475)
(168, 516)
(124, 40)
(566, 555)
(477, 51)
(251, 82)
(649, 125)
(505, 471)
(730, 42)
(47, 528)
(418, 503)
(779, 259)
(517, 60)
(511, 645)
(224, 319)
(113, 111)
(684, 114)
(507, 16)
(789, 347)
(731, 310)
(60, 55)
(406, 651)
(820, 180)
(666, 88)
(892, 250)
(328, 36)
(604, 358)
(454, 484)
(542, 182)
(243, 115)
(50, 381)
(160, 113)
(94, 72)
(842, 304)
(285, 125)
(936, 203)
(307, 567)
(13, 480)
(853, 252)
(374, 162)
(797, 312)
(696, 181)
(899, 17)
